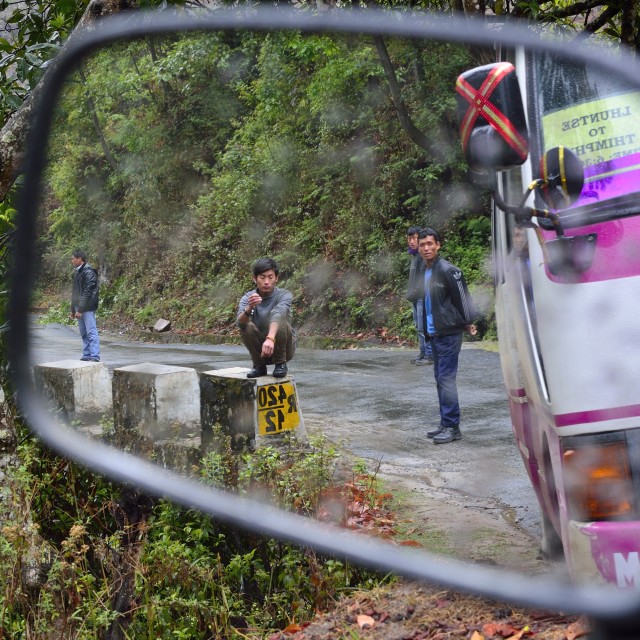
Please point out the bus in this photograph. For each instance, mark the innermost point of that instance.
(558, 143)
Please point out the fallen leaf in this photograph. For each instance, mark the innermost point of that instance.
(578, 628)
(294, 627)
(477, 636)
(365, 621)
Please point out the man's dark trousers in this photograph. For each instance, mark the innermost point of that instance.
(446, 350)
(284, 347)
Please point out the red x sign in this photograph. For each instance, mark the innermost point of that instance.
(480, 105)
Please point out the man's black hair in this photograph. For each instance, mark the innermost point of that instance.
(412, 231)
(264, 264)
(79, 253)
(428, 231)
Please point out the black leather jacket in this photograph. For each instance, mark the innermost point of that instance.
(415, 289)
(451, 304)
(85, 291)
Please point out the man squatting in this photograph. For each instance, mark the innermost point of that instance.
(264, 318)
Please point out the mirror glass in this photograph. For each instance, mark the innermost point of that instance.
(177, 161)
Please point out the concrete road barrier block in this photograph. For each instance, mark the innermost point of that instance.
(80, 391)
(156, 401)
(254, 412)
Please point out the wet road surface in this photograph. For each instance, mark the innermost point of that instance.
(380, 406)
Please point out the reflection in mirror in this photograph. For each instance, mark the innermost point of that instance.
(176, 162)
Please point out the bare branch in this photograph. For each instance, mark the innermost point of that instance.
(601, 20)
(573, 9)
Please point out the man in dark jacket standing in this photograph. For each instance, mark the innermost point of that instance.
(448, 311)
(264, 318)
(84, 302)
(415, 291)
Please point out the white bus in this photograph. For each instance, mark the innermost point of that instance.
(560, 146)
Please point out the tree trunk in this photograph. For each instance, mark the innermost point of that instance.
(132, 515)
(628, 28)
(403, 115)
(13, 134)
(96, 123)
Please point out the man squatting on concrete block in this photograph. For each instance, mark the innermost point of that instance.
(264, 318)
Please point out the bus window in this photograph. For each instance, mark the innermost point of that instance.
(595, 116)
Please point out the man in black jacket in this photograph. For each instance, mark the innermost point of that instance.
(84, 302)
(415, 291)
(448, 311)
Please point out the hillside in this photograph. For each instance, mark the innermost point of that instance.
(176, 162)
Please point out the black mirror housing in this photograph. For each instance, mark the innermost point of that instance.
(493, 127)
(563, 175)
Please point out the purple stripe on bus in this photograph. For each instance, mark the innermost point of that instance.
(597, 415)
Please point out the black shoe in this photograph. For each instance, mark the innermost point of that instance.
(424, 361)
(258, 371)
(280, 370)
(435, 432)
(415, 360)
(93, 359)
(447, 435)
(85, 358)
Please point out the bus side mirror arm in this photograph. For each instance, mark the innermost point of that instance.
(565, 256)
(521, 212)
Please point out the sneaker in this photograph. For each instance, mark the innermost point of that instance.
(418, 359)
(280, 370)
(424, 361)
(447, 435)
(435, 432)
(256, 372)
(93, 359)
(85, 358)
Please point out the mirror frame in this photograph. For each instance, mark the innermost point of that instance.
(603, 604)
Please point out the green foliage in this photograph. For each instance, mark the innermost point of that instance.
(7, 213)
(295, 480)
(37, 30)
(466, 246)
(73, 545)
(56, 313)
(177, 162)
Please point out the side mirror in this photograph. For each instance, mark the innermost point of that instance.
(491, 116)
(563, 175)
(213, 59)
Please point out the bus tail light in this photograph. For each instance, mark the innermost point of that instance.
(598, 481)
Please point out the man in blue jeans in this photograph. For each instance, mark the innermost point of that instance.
(84, 302)
(448, 311)
(415, 291)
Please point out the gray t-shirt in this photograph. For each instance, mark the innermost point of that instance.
(275, 308)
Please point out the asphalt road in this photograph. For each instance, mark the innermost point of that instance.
(379, 406)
